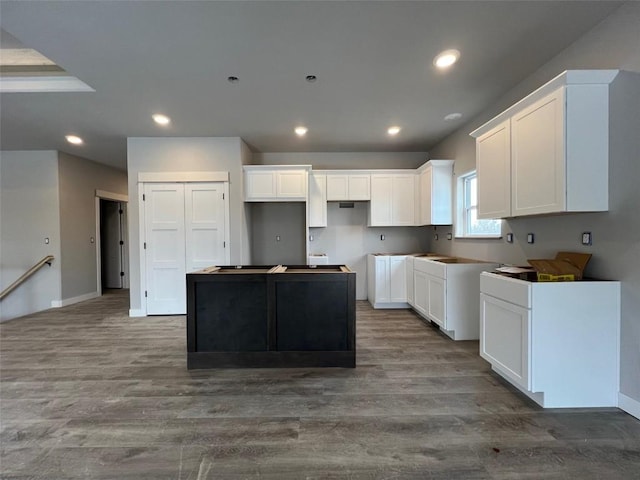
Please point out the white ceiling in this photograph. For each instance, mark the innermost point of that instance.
(373, 61)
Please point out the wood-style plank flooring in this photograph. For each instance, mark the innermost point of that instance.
(88, 393)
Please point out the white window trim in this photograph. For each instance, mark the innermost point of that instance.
(461, 218)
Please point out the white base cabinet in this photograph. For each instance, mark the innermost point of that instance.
(387, 281)
(446, 292)
(556, 342)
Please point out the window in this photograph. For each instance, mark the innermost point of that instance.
(468, 224)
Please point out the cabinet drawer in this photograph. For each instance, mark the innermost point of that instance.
(432, 268)
(508, 289)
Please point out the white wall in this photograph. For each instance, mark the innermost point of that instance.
(79, 179)
(343, 160)
(192, 154)
(614, 43)
(29, 213)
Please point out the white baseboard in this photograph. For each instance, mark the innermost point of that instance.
(70, 301)
(137, 312)
(629, 405)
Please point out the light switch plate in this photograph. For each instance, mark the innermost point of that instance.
(449, 236)
(586, 238)
(509, 237)
(530, 237)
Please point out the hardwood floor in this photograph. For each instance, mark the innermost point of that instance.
(88, 393)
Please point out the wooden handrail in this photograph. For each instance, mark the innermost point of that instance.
(48, 259)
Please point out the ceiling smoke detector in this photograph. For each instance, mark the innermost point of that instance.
(233, 79)
(311, 78)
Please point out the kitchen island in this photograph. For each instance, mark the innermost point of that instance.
(271, 316)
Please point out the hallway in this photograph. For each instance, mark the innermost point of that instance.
(89, 393)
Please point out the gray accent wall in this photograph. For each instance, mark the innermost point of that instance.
(29, 213)
(347, 240)
(614, 43)
(186, 154)
(273, 220)
(79, 180)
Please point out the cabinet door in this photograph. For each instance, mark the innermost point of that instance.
(420, 288)
(317, 200)
(437, 300)
(259, 185)
(538, 157)
(409, 276)
(380, 209)
(403, 200)
(425, 197)
(381, 286)
(337, 187)
(397, 279)
(291, 184)
(359, 187)
(493, 165)
(505, 332)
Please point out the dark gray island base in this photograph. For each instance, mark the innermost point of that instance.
(295, 316)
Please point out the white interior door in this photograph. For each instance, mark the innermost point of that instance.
(205, 225)
(165, 248)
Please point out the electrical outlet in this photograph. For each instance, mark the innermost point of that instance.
(311, 238)
(586, 238)
(277, 238)
(449, 236)
(382, 237)
(435, 237)
(530, 237)
(509, 237)
(46, 240)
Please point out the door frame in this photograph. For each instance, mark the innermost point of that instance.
(174, 177)
(115, 197)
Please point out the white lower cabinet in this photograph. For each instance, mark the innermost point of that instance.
(447, 291)
(557, 342)
(387, 281)
(408, 266)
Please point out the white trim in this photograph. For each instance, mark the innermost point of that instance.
(175, 177)
(50, 83)
(227, 223)
(137, 312)
(98, 245)
(142, 237)
(629, 405)
(118, 197)
(70, 301)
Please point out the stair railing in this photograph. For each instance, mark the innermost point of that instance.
(48, 259)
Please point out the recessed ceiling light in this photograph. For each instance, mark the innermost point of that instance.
(161, 119)
(233, 79)
(74, 139)
(393, 130)
(452, 116)
(301, 131)
(447, 58)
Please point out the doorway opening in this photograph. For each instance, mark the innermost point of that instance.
(113, 271)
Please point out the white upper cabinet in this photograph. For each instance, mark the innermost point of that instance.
(317, 200)
(348, 186)
(392, 199)
(435, 193)
(548, 153)
(274, 183)
(493, 166)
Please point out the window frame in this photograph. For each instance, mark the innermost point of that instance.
(466, 205)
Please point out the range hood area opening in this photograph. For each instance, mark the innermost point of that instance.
(278, 233)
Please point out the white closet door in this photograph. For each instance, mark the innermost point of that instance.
(165, 248)
(205, 225)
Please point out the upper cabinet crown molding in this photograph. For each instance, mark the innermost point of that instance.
(276, 183)
(566, 78)
(548, 153)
